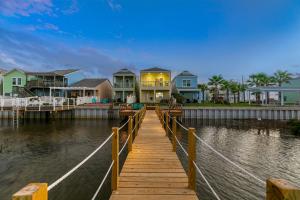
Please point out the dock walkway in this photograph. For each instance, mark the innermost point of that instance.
(152, 170)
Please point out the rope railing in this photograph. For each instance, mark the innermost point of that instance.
(113, 166)
(228, 160)
(206, 181)
(55, 183)
(191, 155)
(103, 180)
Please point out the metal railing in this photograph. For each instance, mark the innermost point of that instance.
(43, 188)
(273, 185)
(155, 83)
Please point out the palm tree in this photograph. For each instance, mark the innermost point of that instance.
(281, 77)
(243, 88)
(203, 87)
(258, 80)
(226, 87)
(216, 82)
(234, 87)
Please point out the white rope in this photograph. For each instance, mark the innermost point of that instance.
(186, 153)
(124, 124)
(103, 180)
(78, 165)
(182, 126)
(124, 145)
(206, 181)
(228, 160)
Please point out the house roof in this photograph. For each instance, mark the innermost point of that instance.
(89, 82)
(124, 71)
(155, 69)
(42, 74)
(185, 73)
(64, 72)
(15, 69)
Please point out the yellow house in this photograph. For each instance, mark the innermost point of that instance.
(155, 85)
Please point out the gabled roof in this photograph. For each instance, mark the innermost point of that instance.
(124, 71)
(15, 69)
(89, 82)
(155, 69)
(186, 73)
(64, 72)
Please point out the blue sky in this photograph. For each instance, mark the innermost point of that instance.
(230, 37)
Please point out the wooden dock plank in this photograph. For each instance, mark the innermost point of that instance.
(152, 170)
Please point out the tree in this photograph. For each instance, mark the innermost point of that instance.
(258, 80)
(215, 82)
(243, 88)
(203, 87)
(226, 86)
(234, 87)
(281, 77)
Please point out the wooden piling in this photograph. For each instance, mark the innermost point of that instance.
(279, 189)
(174, 130)
(192, 158)
(130, 135)
(115, 158)
(136, 124)
(33, 191)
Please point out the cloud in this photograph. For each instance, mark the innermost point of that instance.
(113, 5)
(73, 8)
(25, 8)
(34, 54)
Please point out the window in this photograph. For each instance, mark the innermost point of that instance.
(186, 83)
(16, 81)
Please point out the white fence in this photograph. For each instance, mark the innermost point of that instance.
(45, 101)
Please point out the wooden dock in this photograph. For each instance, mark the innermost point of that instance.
(152, 170)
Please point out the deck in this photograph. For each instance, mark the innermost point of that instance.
(152, 170)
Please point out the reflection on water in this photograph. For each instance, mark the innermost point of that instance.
(264, 148)
(43, 151)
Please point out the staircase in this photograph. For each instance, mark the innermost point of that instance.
(22, 92)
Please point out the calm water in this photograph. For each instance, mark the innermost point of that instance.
(43, 151)
(266, 149)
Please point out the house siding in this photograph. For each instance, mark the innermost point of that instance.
(292, 97)
(7, 81)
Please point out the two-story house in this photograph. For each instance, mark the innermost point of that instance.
(186, 84)
(155, 85)
(17, 82)
(123, 85)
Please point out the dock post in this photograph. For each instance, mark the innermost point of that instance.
(136, 124)
(279, 189)
(192, 158)
(115, 158)
(33, 191)
(130, 134)
(174, 133)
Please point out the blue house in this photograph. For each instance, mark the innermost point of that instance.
(186, 84)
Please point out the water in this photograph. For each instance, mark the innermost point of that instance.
(43, 151)
(264, 148)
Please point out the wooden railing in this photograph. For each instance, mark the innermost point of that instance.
(276, 189)
(39, 191)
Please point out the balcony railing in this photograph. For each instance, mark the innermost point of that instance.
(155, 84)
(44, 83)
(125, 85)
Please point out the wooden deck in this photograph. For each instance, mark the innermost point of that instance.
(152, 170)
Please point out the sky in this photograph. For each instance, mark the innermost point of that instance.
(207, 37)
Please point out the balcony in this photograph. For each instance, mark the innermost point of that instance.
(164, 85)
(121, 85)
(44, 84)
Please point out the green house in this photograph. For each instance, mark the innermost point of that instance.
(20, 83)
(292, 97)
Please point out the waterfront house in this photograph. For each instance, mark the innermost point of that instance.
(18, 82)
(155, 85)
(186, 84)
(292, 97)
(123, 85)
(100, 88)
(2, 72)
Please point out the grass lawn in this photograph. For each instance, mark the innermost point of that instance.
(210, 104)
